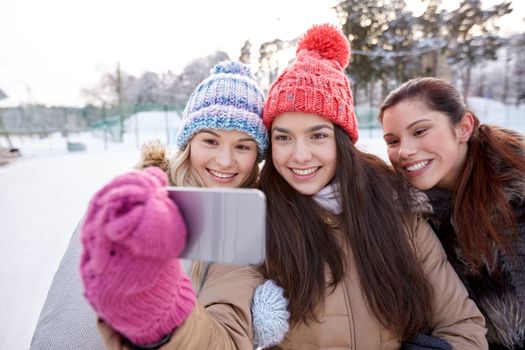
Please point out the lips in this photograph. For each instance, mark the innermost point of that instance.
(417, 166)
(305, 172)
(221, 175)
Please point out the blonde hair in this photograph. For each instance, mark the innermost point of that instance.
(182, 173)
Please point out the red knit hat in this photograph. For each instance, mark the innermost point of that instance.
(315, 82)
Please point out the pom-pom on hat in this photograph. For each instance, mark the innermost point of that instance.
(315, 82)
(229, 99)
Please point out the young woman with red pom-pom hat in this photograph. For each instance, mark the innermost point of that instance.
(360, 271)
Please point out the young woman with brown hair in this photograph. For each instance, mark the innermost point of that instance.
(473, 175)
(358, 269)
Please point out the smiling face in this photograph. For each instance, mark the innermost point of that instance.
(304, 150)
(223, 158)
(424, 146)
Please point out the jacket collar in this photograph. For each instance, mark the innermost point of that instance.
(437, 203)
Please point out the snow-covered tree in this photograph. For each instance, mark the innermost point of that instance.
(270, 60)
(246, 53)
(519, 69)
(363, 21)
(470, 30)
(118, 88)
(399, 40)
(195, 72)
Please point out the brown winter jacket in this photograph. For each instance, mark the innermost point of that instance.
(222, 320)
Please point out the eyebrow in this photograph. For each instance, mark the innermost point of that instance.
(417, 121)
(210, 132)
(312, 129)
(244, 139)
(410, 125)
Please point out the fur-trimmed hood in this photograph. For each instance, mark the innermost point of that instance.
(154, 153)
(436, 203)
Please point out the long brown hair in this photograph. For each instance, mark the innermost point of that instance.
(482, 215)
(300, 245)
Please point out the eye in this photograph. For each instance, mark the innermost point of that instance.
(420, 132)
(319, 135)
(281, 137)
(211, 142)
(243, 147)
(391, 142)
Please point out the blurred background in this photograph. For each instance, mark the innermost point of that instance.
(69, 67)
(84, 84)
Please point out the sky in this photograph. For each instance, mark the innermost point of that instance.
(50, 50)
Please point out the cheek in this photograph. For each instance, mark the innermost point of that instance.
(392, 155)
(197, 157)
(333, 152)
(247, 162)
(278, 155)
(330, 157)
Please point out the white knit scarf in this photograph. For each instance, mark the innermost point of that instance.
(329, 198)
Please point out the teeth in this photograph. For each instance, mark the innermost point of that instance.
(222, 175)
(304, 172)
(417, 166)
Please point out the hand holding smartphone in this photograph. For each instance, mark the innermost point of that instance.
(224, 225)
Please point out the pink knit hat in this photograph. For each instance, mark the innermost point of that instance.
(315, 82)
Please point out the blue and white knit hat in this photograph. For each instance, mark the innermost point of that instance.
(229, 99)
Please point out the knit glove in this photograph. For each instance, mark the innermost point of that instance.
(269, 315)
(131, 237)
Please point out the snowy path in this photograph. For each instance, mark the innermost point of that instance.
(42, 200)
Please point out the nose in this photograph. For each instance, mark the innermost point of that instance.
(224, 158)
(302, 153)
(407, 149)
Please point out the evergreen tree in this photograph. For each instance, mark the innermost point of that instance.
(381, 34)
(470, 31)
(430, 23)
(363, 21)
(398, 43)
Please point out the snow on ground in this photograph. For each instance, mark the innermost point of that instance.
(42, 200)
(44, 194)
(494, 112)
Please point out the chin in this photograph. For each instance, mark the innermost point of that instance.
(422, 186)
(307, 191)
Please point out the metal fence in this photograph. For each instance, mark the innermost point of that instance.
(36, 129)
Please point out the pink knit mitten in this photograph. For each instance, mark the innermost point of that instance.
(131, 237)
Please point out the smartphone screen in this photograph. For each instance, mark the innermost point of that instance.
(224, 225)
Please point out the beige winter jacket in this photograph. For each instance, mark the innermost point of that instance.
(222, 320)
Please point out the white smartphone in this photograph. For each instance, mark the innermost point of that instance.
(224, 225)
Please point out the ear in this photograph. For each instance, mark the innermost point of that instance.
(465, 127)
